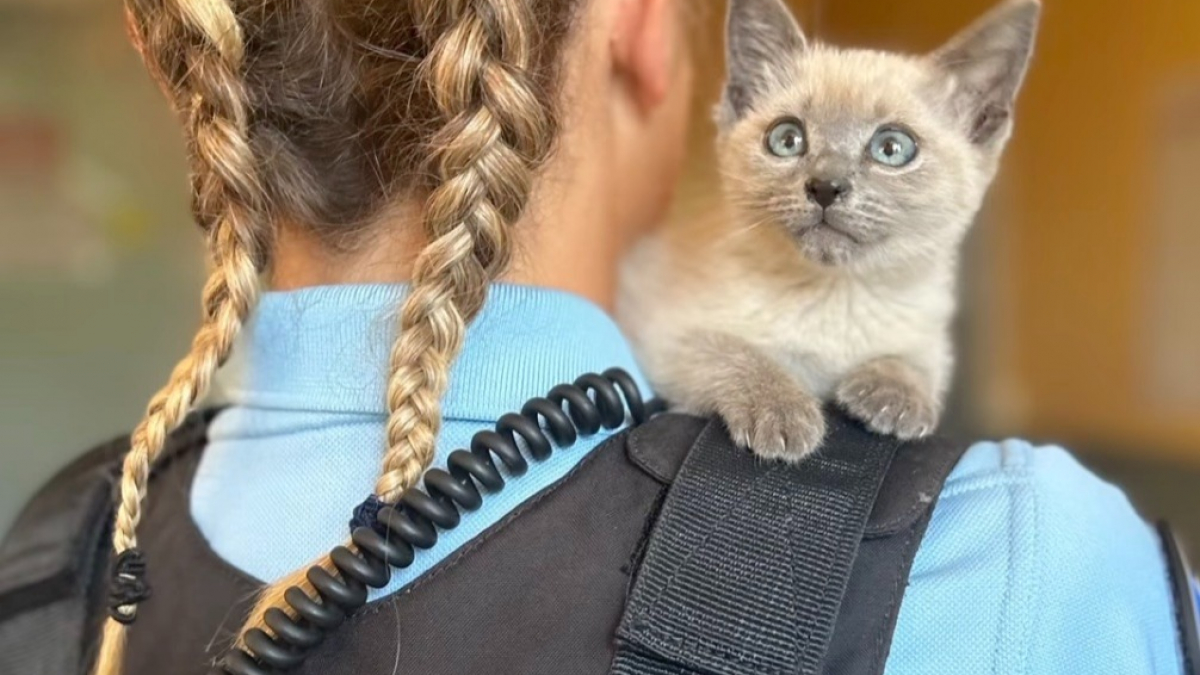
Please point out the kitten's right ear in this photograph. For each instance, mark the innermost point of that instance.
(762, 37)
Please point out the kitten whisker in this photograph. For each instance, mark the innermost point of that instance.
(740, 232)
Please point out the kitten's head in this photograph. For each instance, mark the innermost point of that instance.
(868, 159)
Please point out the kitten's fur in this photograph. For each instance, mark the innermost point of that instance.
(761, 317)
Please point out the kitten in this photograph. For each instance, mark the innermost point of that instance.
(850, 179)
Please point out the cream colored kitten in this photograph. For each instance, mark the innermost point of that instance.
(851, 178)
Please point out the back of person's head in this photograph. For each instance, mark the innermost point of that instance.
(317, 119)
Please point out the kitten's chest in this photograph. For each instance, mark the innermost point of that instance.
(826, 333)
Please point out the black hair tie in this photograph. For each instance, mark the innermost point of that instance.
(127, 587)
(366, 514)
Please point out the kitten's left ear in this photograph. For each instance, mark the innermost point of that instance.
(988, 61)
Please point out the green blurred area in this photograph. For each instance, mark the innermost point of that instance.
(100, 264)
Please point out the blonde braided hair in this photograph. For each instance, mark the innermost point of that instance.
(323, 115)
(228, 204)
(496, 130)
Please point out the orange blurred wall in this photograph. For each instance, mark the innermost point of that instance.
(1088, 230)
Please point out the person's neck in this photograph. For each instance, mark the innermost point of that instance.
(575, 250)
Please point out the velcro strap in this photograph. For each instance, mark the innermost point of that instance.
(748, 564)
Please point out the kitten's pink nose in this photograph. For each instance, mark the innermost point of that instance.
(825, 192)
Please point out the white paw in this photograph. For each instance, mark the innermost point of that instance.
(889, 406)
(777, 423)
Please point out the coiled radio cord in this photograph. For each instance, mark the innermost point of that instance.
(569, 411)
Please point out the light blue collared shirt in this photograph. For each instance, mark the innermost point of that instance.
(304, 433)
(1031, 564)
(1034, 566)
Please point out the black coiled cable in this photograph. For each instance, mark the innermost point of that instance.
(582, 408)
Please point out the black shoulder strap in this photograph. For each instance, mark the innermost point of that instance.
(1187, 611)
(755, 568)
(48, 562)
(53, 562)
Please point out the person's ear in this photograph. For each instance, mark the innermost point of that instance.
(987, 62)
(762, 40)
(644, 45)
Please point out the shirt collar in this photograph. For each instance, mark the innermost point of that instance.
(326, 349)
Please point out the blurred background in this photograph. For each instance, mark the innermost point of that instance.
(1081, 293)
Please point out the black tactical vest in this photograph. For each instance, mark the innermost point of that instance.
(666, 550)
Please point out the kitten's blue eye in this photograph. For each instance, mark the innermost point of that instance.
(786, 139)
(893, 147)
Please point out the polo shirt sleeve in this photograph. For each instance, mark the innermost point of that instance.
(1032, 564)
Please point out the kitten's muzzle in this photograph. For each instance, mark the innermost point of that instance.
(824, 192)
(825, 226)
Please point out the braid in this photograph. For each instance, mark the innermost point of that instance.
(228, 205)
(496, 129)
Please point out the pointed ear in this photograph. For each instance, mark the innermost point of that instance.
(761, 37)
(988, 62)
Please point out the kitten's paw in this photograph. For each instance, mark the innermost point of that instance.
(783, 423)
(887, 405)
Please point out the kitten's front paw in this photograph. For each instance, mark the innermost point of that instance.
(889, 405)
(779, 423)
